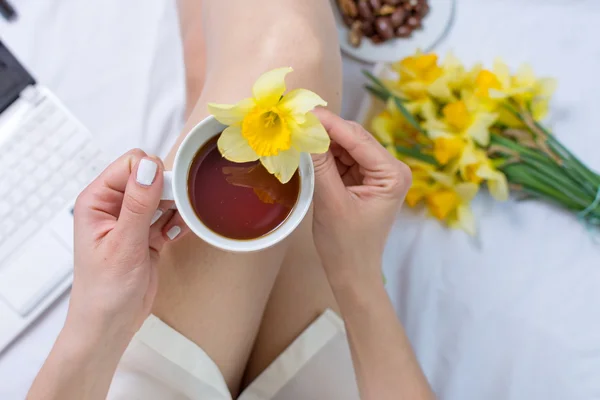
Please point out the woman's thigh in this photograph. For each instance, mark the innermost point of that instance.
(214, 298)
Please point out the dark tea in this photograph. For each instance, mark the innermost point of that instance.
(238, 201)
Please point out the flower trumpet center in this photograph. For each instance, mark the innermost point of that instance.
(267, 131)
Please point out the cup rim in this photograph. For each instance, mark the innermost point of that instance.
(210, 127)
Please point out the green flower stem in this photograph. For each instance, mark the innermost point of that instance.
(528, 177)
(417, 155)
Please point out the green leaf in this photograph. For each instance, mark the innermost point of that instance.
(409, 117)
(377, 92)
(417, 155)
(374, 79)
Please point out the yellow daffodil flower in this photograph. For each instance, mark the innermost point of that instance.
(391, 127)
(451, 204)
(474, 166)
(422, 183)
(523, 87)
(420, 80)
(272, 126)
(463, 118)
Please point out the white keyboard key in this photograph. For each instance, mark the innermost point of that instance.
(44, 213)
(56, 203)
(54, 162)
(41, 173)
(15, 195)
(20, 214)
(9, 158)
(56, 180)
(71, 189)
(15, 238)
(20, 150)
(4, 186)
(73, 144)
(69, 168)
(39, 153)
(7, 227)
(52, 142)
(65, 133)
(28, 185)
(62, 226)
(28, 278)
(27, 164)
(33, 136)
(46, 190)
(53, 122)
(33, 203)
(5, 209)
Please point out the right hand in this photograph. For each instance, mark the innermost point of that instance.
(359, 188)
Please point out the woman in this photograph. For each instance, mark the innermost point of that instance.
(219, 320)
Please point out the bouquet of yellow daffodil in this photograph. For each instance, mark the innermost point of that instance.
(458, 129)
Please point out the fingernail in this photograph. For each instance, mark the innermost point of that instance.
(156, 216)
(173, 232)
(146, 172)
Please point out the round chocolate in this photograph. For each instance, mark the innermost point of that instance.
(398, 17)
(364, 10)
(404, 31)
(383, 26)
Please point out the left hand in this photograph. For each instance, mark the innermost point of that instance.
(117, 249)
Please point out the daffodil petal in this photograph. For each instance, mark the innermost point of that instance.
(311, 136)
(283, 165)
(480, 128)
(466, 190)
(270, 86)
(380, 125)
(301, 101)
(496, 181)
(230, 114)
(234, 147)
(465, 220)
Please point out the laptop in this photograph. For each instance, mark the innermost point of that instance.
(46, 158)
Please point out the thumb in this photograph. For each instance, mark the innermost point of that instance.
(328, 183)
(140, 200)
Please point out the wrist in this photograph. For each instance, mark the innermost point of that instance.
(344, 273)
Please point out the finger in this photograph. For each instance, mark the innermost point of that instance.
(104, 195)
(359, 143)
(329, 187)
(141, 199)
(163, 207)
(175, 228)
(156, 238)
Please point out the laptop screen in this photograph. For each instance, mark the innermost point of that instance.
(13, 78)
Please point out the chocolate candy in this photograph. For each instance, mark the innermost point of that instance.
(375, 4)
(383, 26)
(382, 20)
(398, 17)
(364, 10)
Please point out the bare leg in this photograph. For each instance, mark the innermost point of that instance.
(192, 38)
(214, 298)
(301, 293)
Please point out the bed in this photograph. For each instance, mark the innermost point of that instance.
(513, 313)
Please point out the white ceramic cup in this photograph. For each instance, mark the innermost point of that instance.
(176, 188)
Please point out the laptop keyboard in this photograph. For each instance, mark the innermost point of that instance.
(43, 167)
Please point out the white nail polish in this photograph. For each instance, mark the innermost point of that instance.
(156, 216)
(173, 232)
(146, 172)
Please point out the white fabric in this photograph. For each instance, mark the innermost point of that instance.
(160, 363)
(511, 314)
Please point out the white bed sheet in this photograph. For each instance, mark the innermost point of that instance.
(511, 314)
